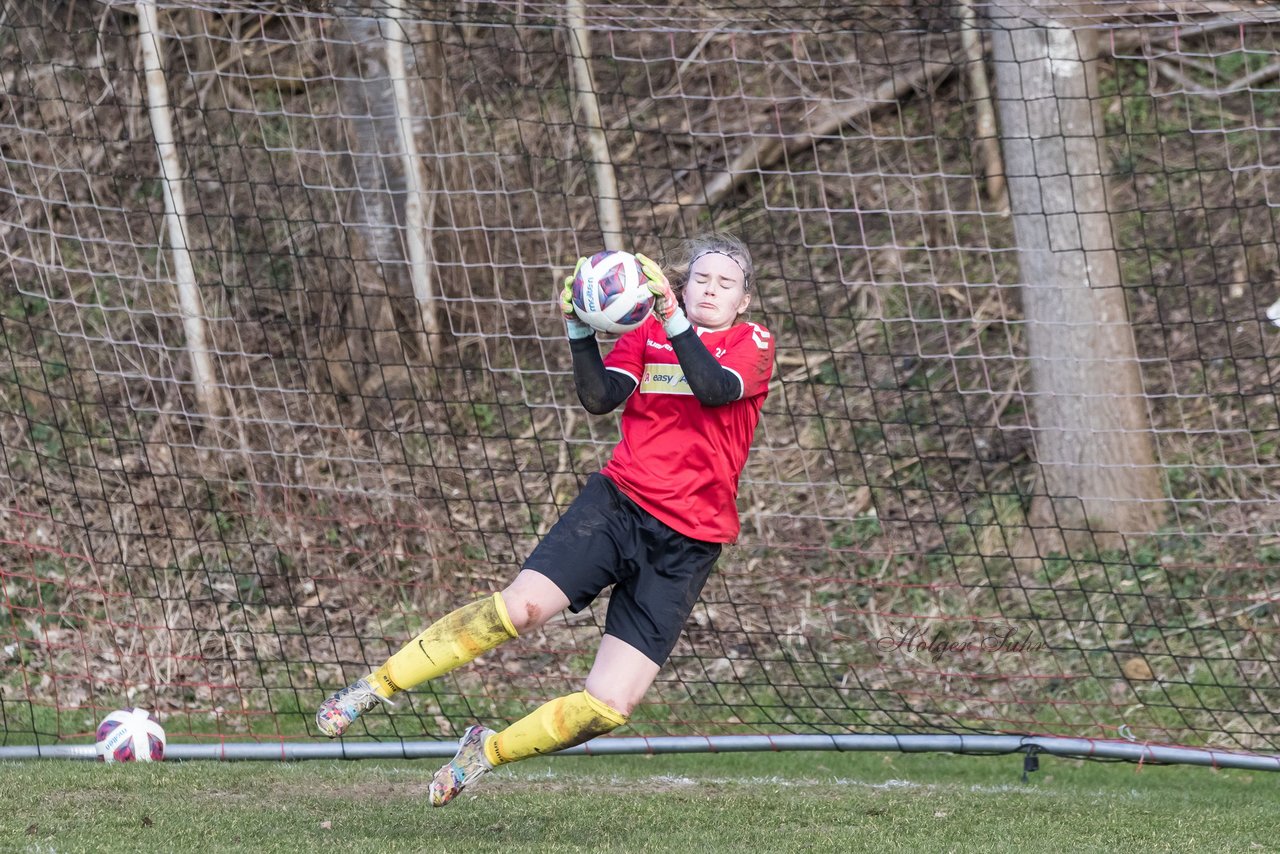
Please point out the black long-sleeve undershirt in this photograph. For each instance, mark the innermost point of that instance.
(601, 390)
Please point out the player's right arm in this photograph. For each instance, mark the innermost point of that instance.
(599, 390)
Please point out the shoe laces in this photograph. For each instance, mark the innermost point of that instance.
(470, 761)
(361, 696)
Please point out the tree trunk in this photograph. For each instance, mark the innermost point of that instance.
(417, 214)
(190, 301)
(1093, 437)
(609, 202)
(371, 353)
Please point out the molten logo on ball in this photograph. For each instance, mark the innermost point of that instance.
(610, 293)
(130, 735)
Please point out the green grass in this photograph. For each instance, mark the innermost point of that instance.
(736, 802)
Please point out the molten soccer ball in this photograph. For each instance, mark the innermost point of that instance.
(130, 735)
(610, 294)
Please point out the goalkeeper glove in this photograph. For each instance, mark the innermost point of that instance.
(665, 304)
(574, 327)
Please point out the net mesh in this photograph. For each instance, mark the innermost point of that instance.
(378, 201)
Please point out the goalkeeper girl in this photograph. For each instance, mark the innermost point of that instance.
(651, 523)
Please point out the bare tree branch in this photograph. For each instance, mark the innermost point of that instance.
(980, 93)
(765, 151)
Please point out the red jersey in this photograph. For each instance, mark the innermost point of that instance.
(678, 459)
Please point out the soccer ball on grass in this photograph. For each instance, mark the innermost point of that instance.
(130, 735)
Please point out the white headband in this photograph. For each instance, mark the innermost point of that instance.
(746, 280)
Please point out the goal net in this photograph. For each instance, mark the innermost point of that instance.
(282, 377)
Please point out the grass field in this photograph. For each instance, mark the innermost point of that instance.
(734, 802)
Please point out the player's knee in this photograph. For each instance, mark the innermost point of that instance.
(621, 702)
(623, 707)
(528, 616)
(525, 612)
(532, 599)
(609, 714)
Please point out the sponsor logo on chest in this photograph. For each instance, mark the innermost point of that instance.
(664, 379)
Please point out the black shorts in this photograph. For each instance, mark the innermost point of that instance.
(657, 573)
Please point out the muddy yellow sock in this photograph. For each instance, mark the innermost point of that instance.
(563, 722)
(450, 641)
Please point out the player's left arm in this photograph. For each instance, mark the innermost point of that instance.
(743, 372)
(714, 382)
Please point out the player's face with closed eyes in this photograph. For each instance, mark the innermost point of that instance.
(716, 292)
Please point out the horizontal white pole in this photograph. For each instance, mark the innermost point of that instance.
(1083, 748)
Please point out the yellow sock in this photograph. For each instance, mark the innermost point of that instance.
(450, 641)
(563, 722)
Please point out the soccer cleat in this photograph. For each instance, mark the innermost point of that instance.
(466, 765)
(340, 711)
